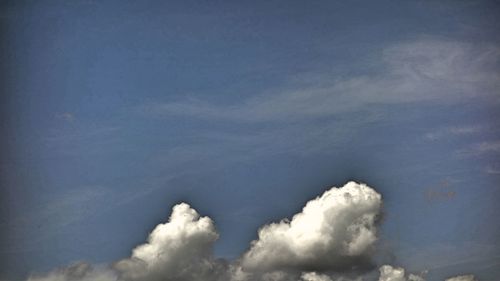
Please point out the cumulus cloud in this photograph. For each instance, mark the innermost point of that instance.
(389, 273)
(330, 239)
(335, 231)
(313, 276)
(180, 249)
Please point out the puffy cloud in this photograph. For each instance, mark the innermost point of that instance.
(335, 231)
(462, 278)
(313, 276)
(389, 273)
(180, 249)
(333, 234)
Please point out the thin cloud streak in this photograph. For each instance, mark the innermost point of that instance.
(416, 71)
(454, 131)
(480, 149)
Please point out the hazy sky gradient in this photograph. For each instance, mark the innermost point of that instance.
(112, 112)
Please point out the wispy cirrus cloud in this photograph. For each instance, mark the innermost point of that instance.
(454, 131)
(492, 170)
(66, 116)
(488, 147)
(413, 71)
(481, 149)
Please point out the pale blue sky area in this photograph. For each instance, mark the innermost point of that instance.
(113, 112)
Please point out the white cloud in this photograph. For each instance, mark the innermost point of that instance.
(180, 249)
(334, 231)
(487, 147)
(333, 235)
(461, 64)
(492, 170)
(66, 116)
(453, 131)
(275, 276)
(462, 278)
(421, 70)
(389, 273)
(313, 276)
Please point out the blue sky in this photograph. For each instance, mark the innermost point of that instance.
(113, 112)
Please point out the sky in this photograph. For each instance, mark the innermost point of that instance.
(114, 113)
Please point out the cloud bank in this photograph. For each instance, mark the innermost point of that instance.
(333, 235)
